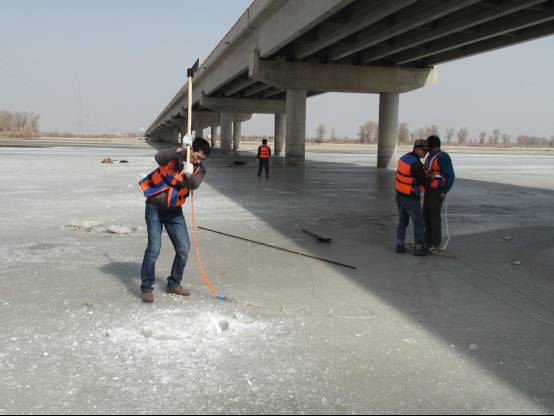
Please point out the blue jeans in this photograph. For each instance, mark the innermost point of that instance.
(409, 207)
(176, 228)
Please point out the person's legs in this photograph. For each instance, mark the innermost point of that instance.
(154, 227)
(435, 208)
(267, 168)
(176, 228)
(260, 166)
(412, 209)
(417, 218)
(404, 220)
(427, 219)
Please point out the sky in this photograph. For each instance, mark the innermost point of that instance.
(113, 65)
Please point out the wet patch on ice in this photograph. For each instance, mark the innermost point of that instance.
(41, 251)
(98, 226)
(175, 331)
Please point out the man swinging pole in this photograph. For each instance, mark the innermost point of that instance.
(166, 189)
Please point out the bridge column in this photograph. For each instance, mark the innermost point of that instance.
(175, 135)
(388, 129)
(171, 135)
(237, 132)
(280, 120)
(296, 125)
(198, 130)
(214, 136)
(226, 132)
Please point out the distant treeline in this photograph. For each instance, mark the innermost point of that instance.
(369, 131)
(69, 135)
(19, 124)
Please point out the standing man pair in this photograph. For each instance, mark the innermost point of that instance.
(434, 180)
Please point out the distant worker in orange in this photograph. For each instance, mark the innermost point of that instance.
(264, 154)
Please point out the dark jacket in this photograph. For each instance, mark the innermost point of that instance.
(163, 157)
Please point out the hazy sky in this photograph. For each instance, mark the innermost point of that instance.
(121, 61)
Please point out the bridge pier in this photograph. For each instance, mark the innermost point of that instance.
(172, 135)
(226, 132)
(280, 124)
(198, 130)
(214, 136)
(296, 125)
(388, 129)
(237, 132)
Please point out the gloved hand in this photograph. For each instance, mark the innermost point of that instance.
(187, 140)
(188, 169)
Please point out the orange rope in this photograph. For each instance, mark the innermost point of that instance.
(197, 253)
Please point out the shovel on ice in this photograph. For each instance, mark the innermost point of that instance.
(318, 237)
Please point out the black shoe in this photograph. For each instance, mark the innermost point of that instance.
(420, 252)
(400, 249)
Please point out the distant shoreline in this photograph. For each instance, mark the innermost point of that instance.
(352, 148)
(346, 148)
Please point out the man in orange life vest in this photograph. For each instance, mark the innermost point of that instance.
(166, 190)
(264, 153)
(438, 165)
(411, 180)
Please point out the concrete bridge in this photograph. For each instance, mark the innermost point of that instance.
(280, 52)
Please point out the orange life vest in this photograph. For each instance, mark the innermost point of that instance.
(406, 184)
(432, 164)
(265, 152)
(167, 178)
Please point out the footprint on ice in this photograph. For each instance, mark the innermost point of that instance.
(223, 325)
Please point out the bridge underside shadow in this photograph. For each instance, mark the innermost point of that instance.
(495, 313)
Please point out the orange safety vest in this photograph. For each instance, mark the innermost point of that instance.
(406, 184)
(265, 152)
(167, 178)
(432, 163)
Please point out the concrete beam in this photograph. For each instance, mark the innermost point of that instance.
(204, 119)
(417, 15)
(256, 90)
(339, 78)
(238, 87)
(243, 105)
(364, 14)
(535, 32)
(459, 21)
(509, 24)
(241, 117)
(272, 92)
